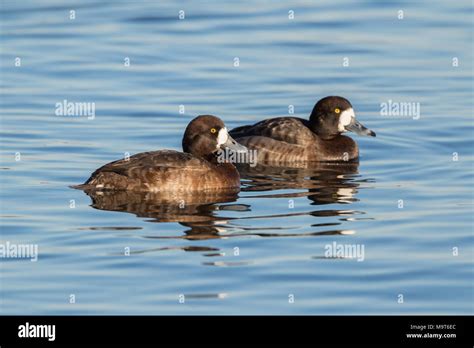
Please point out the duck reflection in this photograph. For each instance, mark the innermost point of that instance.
(326, 183)
(196, 211)
(201, 213)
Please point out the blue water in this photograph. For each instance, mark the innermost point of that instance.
(282, 220)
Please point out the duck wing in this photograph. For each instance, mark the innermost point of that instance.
(147, 171)
(291, 130)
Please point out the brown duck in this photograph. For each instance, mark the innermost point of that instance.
(293, 140)
(197, 168)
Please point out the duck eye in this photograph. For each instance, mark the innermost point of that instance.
(213, 130)
(337, 110)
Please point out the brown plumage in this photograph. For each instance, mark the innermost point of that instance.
(167, 170)
(291, 139)
(286, 139)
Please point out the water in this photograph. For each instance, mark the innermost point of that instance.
(283, 219)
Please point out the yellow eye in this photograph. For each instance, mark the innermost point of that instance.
(213, 130)
(337, 110)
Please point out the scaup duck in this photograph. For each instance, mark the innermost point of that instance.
(197, 168)
(292, 139)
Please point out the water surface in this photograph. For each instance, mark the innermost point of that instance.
(409, 202)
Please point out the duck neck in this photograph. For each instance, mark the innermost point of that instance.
(213, 158)
(338, 148)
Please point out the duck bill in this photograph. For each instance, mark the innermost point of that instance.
(233, 145)
(358, 128)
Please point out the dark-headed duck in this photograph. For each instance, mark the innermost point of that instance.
(292, 139)
(197, 168)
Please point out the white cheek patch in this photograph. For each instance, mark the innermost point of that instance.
(222, 137)
(345, 119)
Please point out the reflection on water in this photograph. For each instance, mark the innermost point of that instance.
(326, 182)
(197, 212)
(182, 207)
(321, 184)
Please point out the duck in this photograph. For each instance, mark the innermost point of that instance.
(296, 140)
(197, 168)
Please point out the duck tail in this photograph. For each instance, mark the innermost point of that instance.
(80, 187)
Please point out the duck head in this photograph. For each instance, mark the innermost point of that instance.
(206, 135)
(334, 115)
